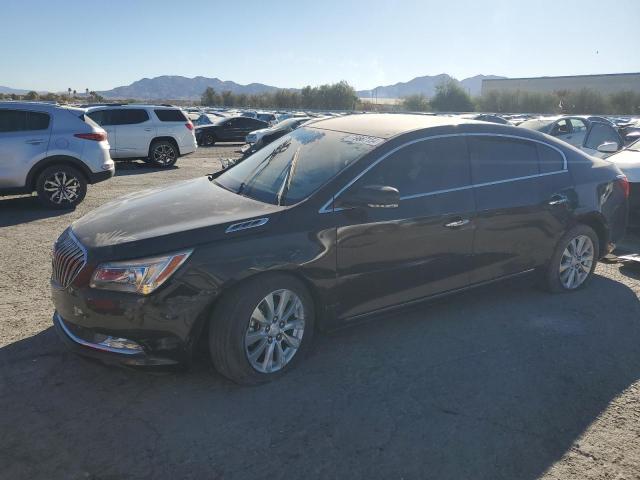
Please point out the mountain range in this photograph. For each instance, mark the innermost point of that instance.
(424, 85)
(174, 87)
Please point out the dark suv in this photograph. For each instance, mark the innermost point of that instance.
(334, 221)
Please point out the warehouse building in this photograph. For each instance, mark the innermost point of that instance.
(605, 84)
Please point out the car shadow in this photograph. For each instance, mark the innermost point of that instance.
(139, 167)
(25, 209)
(496, 383)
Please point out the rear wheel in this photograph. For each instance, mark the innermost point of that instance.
(163, 153)
(208, 139)
(574, 260)
(61, 187)
(262, 329)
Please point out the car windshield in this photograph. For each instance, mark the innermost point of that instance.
(536, 124)
(294, 166)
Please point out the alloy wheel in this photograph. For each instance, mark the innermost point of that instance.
(62, 188)
(576, 262)
(164, 154)
(275, 331)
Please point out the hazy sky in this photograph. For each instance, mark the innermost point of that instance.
(53, 45)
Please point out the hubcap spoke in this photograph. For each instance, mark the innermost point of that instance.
(275, 330)
(576, 262)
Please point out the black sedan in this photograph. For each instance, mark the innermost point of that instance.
(263, 137)
(234, 129)
(333, 222)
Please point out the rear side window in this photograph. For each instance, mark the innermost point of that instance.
(424, 167)
(20, 121)
(128, 116)
(170, 115)
(101, 117)
(601, 133)
(550, 159)
(497, 158)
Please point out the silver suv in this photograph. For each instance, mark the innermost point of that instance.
(157, 133)
(52, 150)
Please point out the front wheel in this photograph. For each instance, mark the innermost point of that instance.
(574, 260)
(163, 154)
(61, 187)
(262, 329)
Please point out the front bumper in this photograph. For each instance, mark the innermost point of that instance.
(101, 347)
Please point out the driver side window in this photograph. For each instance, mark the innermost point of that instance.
(424, 167)
(562, 127)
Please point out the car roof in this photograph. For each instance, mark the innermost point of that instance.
(133, 105)
(386, 125)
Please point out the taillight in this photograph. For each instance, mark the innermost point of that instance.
(189, 125)
(96, 137)
(624, 184)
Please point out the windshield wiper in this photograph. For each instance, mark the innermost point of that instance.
(286, 184)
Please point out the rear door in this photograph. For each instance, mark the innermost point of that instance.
(244, 126)
(134, 131)
(522, 194)
(389, 256)
(24, 139)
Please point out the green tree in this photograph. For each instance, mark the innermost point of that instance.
(32, 95)
(209, 97)
(227, 98)
(416, 103)
(583, 101)
(451, 97)
(624, 103)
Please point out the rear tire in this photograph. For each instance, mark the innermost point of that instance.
(163, 154)
(249, 343)
(574, 260)
(208, 140)
(61, 187)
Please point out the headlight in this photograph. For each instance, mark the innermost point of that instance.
(137, 276)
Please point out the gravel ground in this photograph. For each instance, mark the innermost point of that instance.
(504, 382)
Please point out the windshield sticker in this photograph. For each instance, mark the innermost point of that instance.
(364, 139)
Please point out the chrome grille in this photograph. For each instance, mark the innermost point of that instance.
(68, 258)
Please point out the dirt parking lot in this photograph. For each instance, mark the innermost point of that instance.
(500, 383)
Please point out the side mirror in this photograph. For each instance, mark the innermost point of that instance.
(371, 196)
(608, 147)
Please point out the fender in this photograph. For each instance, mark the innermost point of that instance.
(53, 160)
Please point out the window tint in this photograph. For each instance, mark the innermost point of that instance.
(37, 121)
(101, 117)
(496, 158)
(20, 120)
(128, 116)
(424, 167)
(170, 115)
(601, 133)
(12, 120)
(550, 159)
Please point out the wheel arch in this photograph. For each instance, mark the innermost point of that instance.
(167, 139)
(32, 176)
(598, 223)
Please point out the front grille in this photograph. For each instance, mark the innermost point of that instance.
(68, 258)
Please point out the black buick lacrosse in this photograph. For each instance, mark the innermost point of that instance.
(339, 219)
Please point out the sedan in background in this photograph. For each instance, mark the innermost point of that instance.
(259, 138)
(628, 160)
(587, 135)
(234, 129)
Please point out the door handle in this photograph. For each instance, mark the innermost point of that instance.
(457, 223)
(558, 200)
(35, 141)
(147, 129)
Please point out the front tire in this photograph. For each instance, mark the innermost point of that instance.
(574, 260)
(262, 329)
(61, 187)
(163, 153)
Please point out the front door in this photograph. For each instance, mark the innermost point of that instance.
(389, 256)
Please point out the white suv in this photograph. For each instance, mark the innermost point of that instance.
(157, 133)
(52, 150)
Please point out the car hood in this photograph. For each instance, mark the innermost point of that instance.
(629, 162)
(181, 215)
